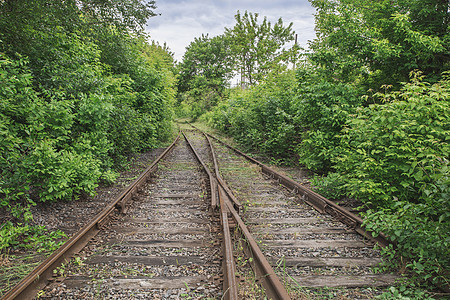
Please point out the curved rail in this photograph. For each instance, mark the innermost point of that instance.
(273, 287)
(272, 284)
(37, 279)
(230, 287)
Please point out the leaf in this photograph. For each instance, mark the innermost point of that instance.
(418, 175)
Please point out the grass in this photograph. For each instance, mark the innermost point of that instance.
(14, 267)
(248, 286)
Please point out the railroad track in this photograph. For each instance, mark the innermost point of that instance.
(308, 248)
(203, 222)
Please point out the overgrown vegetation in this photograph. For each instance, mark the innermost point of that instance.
(81, 90)
(367, 110)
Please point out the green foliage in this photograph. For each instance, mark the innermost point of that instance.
(420, 233)
(37, 149)
(251, 48)
(405, 292)
(380, 42)
(81, 90)
(330, 186)
(204, 74)
(207, 58)
(22, 236)
(258, 48)
(262, 117)
(400, 148)
(322, 109)
(394, 157)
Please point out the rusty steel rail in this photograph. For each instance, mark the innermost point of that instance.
(212, 182)
(230, 287)
(273, 287)
(38, 278)
(236, 203)
(269, 280)
(229, 266)
(320, 203)
(266, 275)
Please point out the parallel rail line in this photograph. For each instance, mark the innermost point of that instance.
(320, 203)
(230, 212)
(324, 207)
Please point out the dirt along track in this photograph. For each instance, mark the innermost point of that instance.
(313, 253)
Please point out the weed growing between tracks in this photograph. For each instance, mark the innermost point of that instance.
(249, 288)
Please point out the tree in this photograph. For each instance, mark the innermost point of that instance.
(205, 72)
(81, 88)
(208, 58)
(258, 47)
(373, 43)
(129, 15)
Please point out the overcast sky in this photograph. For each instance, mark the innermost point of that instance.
(182, 20)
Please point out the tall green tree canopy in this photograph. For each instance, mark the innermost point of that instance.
(258, 47)
(204, 73)
(208, 58)
(380, 42)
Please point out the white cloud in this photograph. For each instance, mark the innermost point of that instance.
(181, 20)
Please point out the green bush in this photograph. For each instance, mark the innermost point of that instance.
(420, 232)
(60, 138)
(394, 157)
(15, 236)
(405, 292)
(262, 117)
(46, 148)
(322, 109)
(400, 148)
(331, 186)
(78, 96)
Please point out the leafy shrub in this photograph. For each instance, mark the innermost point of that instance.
(17, 98)
(330, 186)
(78, 95)
(14, 236)
(400, 148)
(404, 292)
(420, 232)
(59, 142)
(61, 174)
(263, 116)
(322, 109)
(394, 157)
(40, 148)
